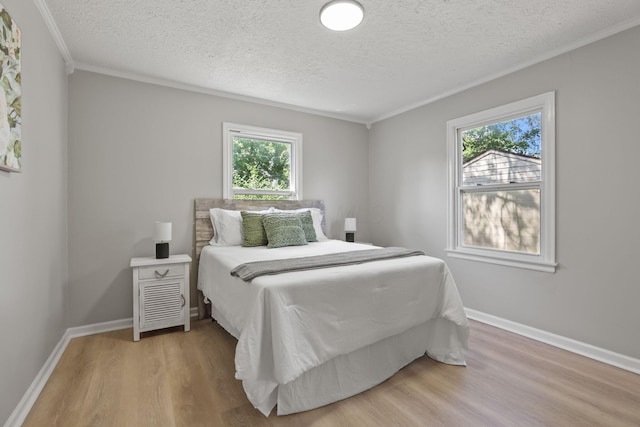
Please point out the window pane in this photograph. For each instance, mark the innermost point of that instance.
(261, 165)
(503, 152)
(260, 197)
(504, 220)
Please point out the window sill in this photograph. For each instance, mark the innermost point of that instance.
(509, 261)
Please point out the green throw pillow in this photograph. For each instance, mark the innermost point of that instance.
(283, 230)
(307, 226)
(254, 233)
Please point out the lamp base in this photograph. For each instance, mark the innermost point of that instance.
(351, 237)
(162, 250)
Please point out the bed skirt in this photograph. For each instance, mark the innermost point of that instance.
(347, 375)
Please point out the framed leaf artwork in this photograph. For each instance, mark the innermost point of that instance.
(10, 93)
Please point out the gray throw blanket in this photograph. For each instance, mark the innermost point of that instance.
(250, 270)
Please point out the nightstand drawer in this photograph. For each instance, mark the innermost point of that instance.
(161, 271)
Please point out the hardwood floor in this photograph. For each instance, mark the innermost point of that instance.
(173, 378)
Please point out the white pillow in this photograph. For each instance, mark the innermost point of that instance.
(227, 226)
(316, 215)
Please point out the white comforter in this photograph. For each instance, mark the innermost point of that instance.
(287, 324)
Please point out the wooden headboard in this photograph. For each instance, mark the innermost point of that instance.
(202, 222)
(204, 230)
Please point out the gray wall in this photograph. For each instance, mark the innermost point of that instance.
(140, 153)
(33, 216)
(593, 296)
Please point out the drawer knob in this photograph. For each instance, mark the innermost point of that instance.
(161, 275)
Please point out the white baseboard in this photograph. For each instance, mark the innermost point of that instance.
(98, 328)
(21, 411)
(600, 354)
(26, 403)
(114, 325)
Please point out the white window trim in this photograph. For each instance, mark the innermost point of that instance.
(294, 138)
(546, 260)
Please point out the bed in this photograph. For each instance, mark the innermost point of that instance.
(309, 338)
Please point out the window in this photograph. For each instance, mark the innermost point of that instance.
(261, 163)
(501, 185)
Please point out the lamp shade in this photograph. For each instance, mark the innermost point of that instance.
(350, 224)
(162, 232)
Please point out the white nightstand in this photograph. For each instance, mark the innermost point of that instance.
(160, 293)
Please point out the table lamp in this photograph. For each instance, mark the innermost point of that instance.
(162, 237)
(350, 229)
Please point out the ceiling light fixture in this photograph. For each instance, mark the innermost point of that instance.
(341, 15)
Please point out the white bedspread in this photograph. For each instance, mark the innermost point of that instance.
(289, 323)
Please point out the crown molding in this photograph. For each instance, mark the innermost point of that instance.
(71, 66)
(199, 89)
(564, 49)
(55, 33)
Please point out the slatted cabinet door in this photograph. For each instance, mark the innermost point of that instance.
(161, 304)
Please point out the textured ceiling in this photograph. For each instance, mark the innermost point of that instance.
(403, 54)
